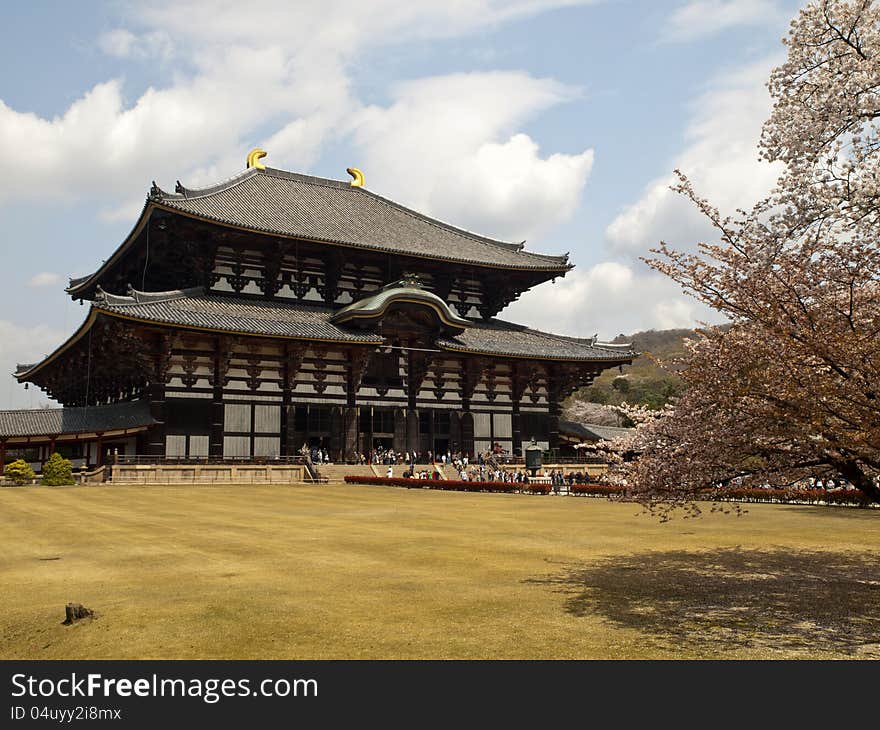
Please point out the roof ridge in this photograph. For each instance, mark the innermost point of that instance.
(585, 341)
(184, 193)
(478, 237)
(134, 296)
(31, 410)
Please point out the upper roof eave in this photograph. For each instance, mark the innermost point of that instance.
(174, 203)
(77, 285)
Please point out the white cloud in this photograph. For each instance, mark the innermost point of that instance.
(23, 344)
(447, 146)
(701, 18)
(248, 74)
(44, 278)
(341, 26)
(122, 43)
(720, 158)
(608, 299)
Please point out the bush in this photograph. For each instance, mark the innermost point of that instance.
(447, 485)
(19, 472)
(58, 471)
(789, 496)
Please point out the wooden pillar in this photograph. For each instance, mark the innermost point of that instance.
(156, 435)
(99, 450)
(357, 360)
(52, 440)
(516, 429)
(467, 434)
(337, 433)
(454, 432)
(2, 455)
(350, 436)
(286, 416)
(156, 395)
(412, 430)
(293, 358)
(399, 443)
(215, 438)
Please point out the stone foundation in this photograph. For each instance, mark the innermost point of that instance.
(206, 474)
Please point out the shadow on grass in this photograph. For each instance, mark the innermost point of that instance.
(720, 600)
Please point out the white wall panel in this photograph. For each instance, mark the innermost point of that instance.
(237, 417)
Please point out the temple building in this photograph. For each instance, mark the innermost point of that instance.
(274, 309)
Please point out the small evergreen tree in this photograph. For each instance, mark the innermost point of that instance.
(58, 471)
(19, 472)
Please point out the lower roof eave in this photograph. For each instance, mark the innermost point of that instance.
(74, 436)
(608, 362)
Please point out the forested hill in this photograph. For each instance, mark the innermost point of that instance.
(644, 382)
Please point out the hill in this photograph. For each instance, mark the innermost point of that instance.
(645, 382)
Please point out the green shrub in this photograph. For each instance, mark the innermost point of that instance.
(58, 471)
(19, 472)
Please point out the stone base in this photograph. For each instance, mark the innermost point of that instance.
(207, 474)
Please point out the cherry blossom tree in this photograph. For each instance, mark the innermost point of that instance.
(789, 389)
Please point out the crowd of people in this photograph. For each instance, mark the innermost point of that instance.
(424, 465)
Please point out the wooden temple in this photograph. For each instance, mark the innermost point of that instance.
(273, 310)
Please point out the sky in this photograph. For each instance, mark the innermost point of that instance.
(557, 122)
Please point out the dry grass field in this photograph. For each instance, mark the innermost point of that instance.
(376, 572)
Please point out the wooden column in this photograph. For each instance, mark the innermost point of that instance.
(99, 450)
(516, 429)
(399, 443)
(467, 434)
(454, 432)
(554, 389)
(472, 371)
(412, 430)
(156, 395)
(358, 359)
(156, 435)
(337, 433)
(518, 382)
(2, 455)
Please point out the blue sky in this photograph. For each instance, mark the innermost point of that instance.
(554, 121)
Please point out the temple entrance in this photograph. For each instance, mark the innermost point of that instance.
(376, 429)
(434, 431)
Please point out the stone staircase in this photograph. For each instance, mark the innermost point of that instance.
(336, 473)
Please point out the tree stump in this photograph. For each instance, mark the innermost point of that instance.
(75, 612)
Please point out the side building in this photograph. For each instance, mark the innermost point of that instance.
(276, 310)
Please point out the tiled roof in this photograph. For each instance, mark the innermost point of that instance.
(192, 308)
(286, 203)
(57, 421)
(497, 337)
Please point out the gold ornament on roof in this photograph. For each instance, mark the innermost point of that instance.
(253, 158)
(358, 181)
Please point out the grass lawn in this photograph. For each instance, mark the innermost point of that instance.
(299, 572)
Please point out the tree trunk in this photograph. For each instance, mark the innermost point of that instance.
(75, 612)
(854, 474)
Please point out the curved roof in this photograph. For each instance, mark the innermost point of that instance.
(376, 305)
(288, 204)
